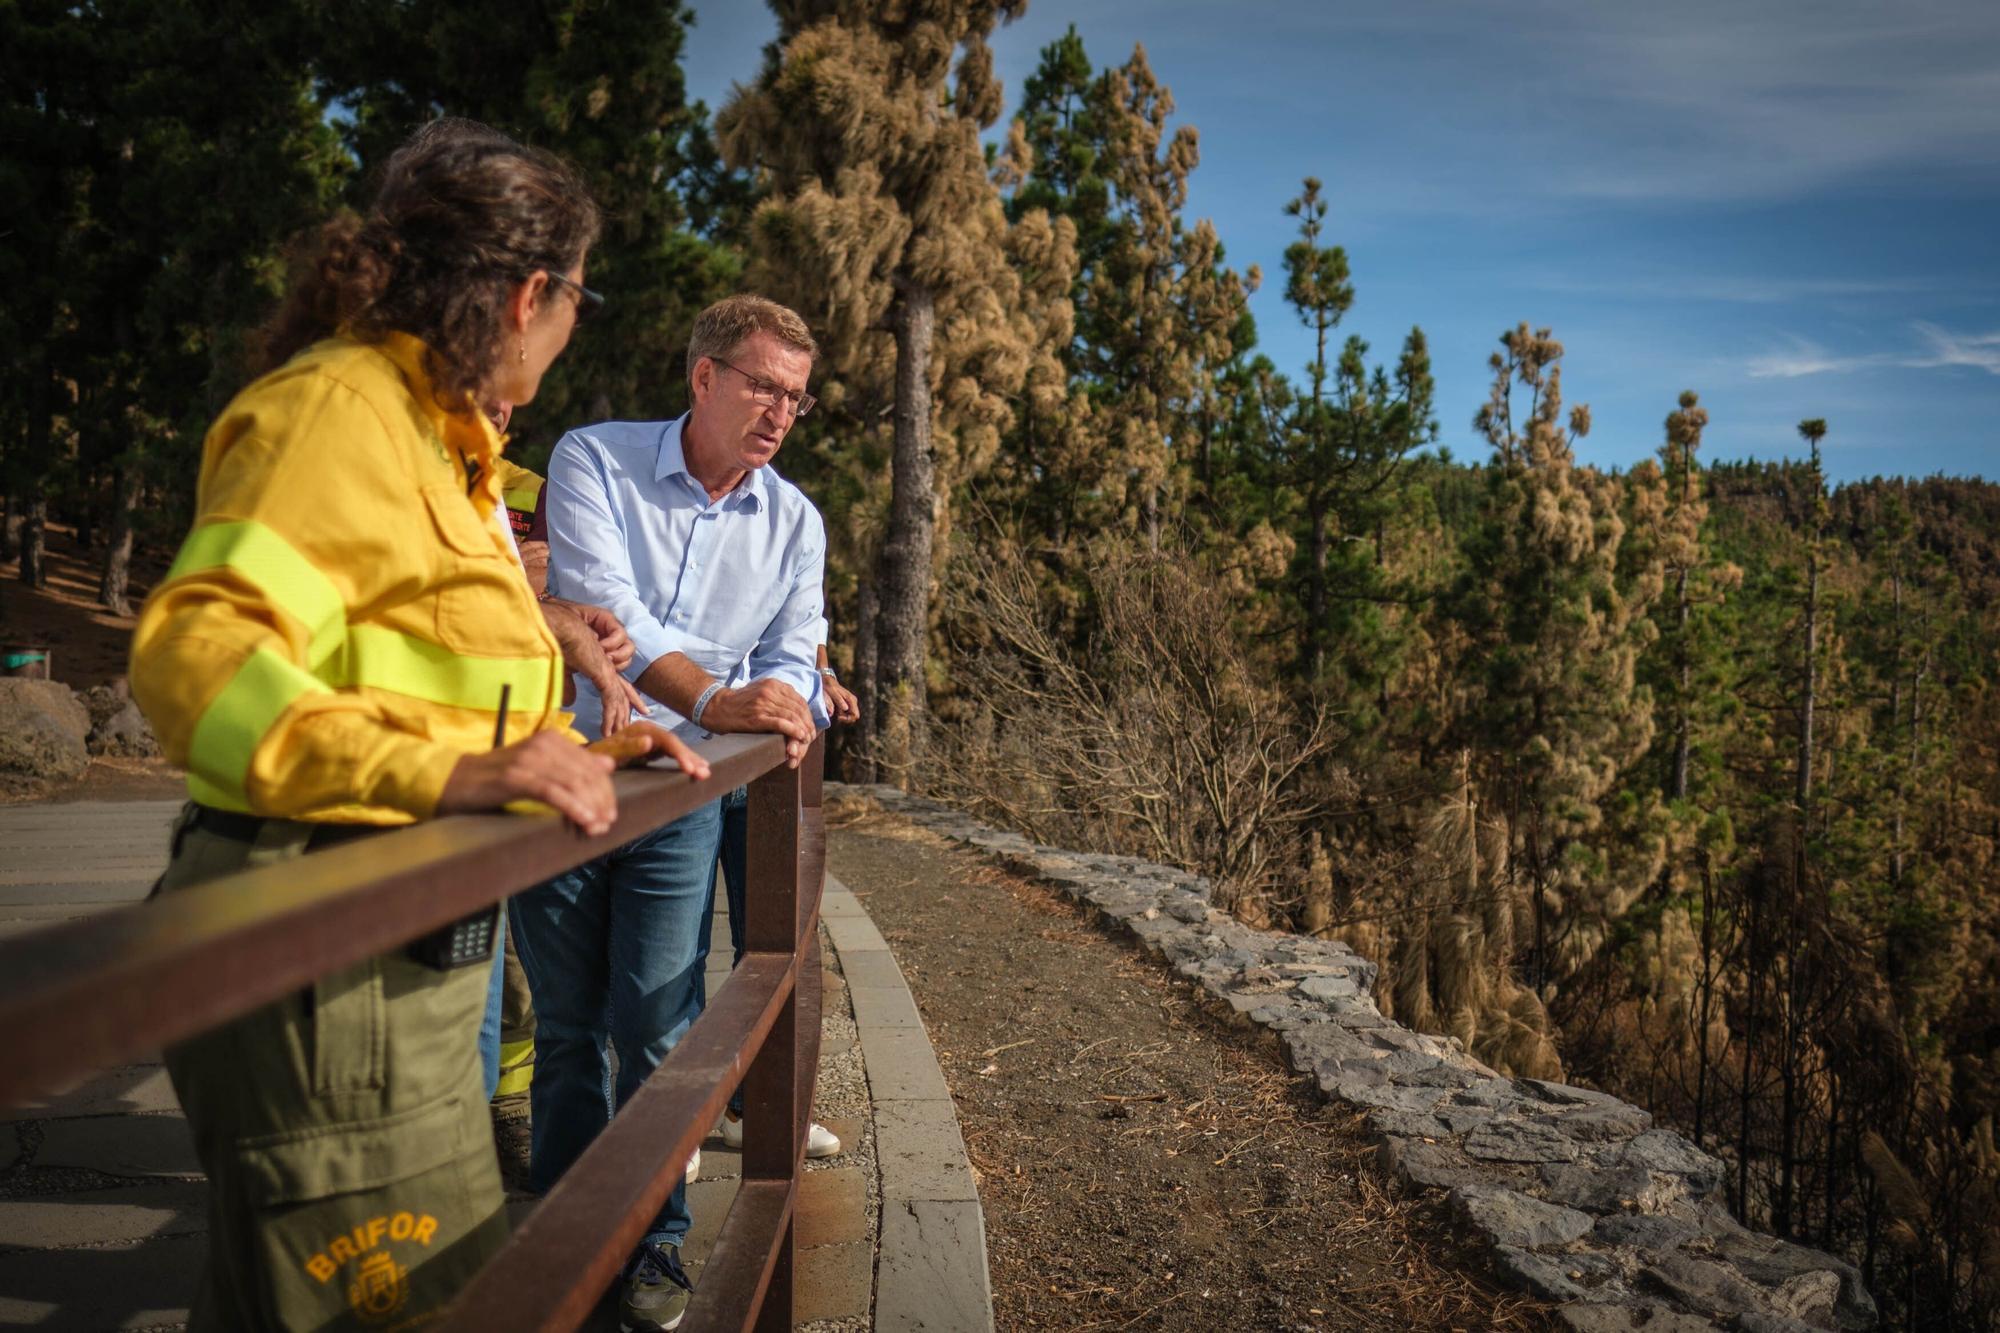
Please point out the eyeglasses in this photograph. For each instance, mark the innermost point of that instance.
(588, 302)
(767, 393)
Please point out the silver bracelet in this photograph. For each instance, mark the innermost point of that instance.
(701, 704)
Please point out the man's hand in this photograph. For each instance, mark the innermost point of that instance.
(642, 739)
(764, 705)
(547, 767)
(535, 559)
(583, 651)
(611, 636)
(840, 700)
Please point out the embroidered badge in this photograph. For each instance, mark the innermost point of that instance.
(380, 1287)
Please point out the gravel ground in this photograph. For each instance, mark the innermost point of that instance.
(843, 1091)
(1141, 1164)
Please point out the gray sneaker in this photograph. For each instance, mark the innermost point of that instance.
(656, 1291)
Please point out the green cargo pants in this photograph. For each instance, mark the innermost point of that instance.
(352, 1182)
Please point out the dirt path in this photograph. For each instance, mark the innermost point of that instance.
(88, 645)
(1141, 1166)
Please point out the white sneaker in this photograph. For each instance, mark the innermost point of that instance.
(820, 1141)
(694, 1167)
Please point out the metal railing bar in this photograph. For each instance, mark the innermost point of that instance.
(89, 994)
(552, 1270)
(736, 1280)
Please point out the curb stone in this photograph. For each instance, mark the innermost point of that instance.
(931, 1272)
(1572, 1193)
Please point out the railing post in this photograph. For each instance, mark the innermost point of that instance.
(773, 1128)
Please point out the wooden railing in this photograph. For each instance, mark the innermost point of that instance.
(92, 993)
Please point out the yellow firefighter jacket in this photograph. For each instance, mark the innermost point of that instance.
(336, 631)
(520, 491)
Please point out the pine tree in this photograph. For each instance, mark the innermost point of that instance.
(1161, 311)
(601, 85)
(880, 216)
(1556, 712)
(1345, 445)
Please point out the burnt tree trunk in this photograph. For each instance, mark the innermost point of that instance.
(111, 589)
(906, 552)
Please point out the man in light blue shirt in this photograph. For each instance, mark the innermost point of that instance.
(714, 564)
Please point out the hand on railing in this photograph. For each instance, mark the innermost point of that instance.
(640, 739)
(547, 767)
(764, 705)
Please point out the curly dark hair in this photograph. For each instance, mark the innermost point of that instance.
(462, 214)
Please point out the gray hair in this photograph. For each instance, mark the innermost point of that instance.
(721, 329)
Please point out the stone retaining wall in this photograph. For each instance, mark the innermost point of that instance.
(1574, 1194)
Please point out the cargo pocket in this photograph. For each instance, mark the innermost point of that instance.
(375, 1224)
(349, 1032)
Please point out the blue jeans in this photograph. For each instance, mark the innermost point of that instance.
(489, 1023)
(734, 858)
(610, 949)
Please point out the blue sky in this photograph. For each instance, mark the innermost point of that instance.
(1791, 207)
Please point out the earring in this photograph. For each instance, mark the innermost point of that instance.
(524, 349)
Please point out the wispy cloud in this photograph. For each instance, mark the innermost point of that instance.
(1800, 357)
(1979, 350)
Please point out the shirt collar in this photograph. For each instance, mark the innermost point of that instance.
(673, 458)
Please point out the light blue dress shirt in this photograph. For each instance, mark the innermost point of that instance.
(734, 584)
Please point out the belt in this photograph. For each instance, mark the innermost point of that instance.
(240, 827)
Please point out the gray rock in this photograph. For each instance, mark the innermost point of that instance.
(1779, 1264)
(1759, 1322)
(1409, 1125)
(1518, 1141)
(43, 729)
(1185, 907)
(1559, 1277)
(1463, 1119)
(1600, 1124)
(1601, 1188)
(1424, 1165)
(1644, 1231)
(1329, 987)
(1440, 1074)
(1493, 1092)
(1564, 1094)
(1621, 1318)
(1664, 1151)
(1701, 1285)
(1387, 1098)
(125, 733)
(1509, 1217)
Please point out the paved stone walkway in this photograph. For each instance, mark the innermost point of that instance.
(101, 1199)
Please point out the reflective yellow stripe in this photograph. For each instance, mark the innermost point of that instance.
(236, 721)
(517, 1067)
(522, 499)
(383, 659)
(268, 562)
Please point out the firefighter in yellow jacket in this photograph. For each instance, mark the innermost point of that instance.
(326, 657)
